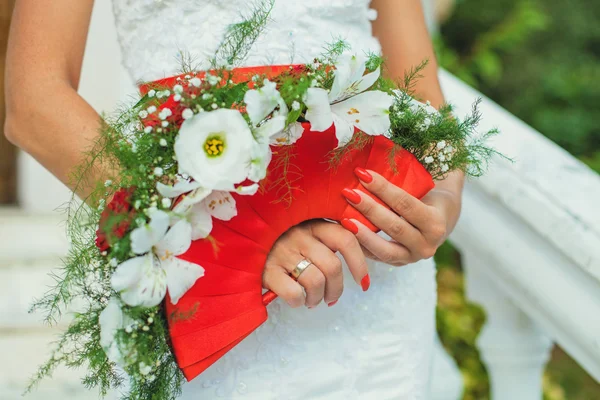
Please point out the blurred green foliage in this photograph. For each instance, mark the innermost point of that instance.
(539, 59)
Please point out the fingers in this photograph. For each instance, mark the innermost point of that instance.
(392, 253)
(312, 280)
(402, 203)
(330, 267)
(385, 219)
(339, 239)
(278, 280)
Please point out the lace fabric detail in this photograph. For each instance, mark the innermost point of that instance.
(156, 34)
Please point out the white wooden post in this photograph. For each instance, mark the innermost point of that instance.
(513, 348)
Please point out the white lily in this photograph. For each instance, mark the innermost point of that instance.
(214, 148)
(111, 320)
(289, 135)
(144, 280)
(347, 105)
(220, 205)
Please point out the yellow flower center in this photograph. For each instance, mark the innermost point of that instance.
(214, 146)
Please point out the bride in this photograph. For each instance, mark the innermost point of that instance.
(357, 329)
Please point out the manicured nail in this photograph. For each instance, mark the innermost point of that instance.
(351, 195)
(332, 304)
(365, 282)
(351, 226)
(363, 175)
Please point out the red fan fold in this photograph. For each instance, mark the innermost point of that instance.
(226, 305)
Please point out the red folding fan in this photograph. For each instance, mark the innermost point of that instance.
(227, 303)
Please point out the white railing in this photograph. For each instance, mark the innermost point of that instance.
(529, 237)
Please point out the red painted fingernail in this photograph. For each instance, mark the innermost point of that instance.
(365, 282)
(351, 195)
(332, 304)
(363, 175)
(351, 226)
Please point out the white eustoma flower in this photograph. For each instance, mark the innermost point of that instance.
(347, 105)
(144, 280)
(215, 148)
(111, 320)
(220, 205)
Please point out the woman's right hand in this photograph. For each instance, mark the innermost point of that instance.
(317, 241)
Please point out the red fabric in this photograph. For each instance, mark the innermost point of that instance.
(227, 304)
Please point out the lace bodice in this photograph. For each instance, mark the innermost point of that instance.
(155, 33)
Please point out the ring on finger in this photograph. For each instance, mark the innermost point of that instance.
(300, 268)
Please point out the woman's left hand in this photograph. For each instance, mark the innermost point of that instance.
(417, 227)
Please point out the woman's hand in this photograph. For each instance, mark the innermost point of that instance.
(417, 227)
(317, 241)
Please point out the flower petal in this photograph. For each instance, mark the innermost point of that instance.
(221, 205)
(110, 320)
(367, 81)
(367, 111)
(178, 189)
(144, 237)
(273, 126)
(344, 130)
(318, 111)
(141, 281)
(190, 199)
(289, 135)
(177, 241)
(201, 221)
(262, 101)
(181, 276)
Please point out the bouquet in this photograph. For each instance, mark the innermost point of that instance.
(167, 255)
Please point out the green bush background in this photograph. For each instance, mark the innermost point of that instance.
(541, 61)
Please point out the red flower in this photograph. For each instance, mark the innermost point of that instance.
(115, 219)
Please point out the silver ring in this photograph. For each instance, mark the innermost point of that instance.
(300, 268)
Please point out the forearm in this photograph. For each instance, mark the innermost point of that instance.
(45, 115)
(56, 132)
(406, 43)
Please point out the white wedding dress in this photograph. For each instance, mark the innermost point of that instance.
(371, 345)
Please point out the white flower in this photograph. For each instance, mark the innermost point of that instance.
(143, 114)
(151, 109)
(445, 167)
(151, 93)
(215, 149)
(289, 135)
(195, 82)
(144, 280)
(213, 80)
(295, 106)
(163, 142)
(261, 102)
(148, 129)
(218, 204)
(166, 202)
(428, 160)
(165, 124)
(417, 106)
(178, 89)
(187, 113)
(165, 113)
(441, 157)
(158, 171)
(111, 320)
(177, 97)
(107, 183)
(346, 106)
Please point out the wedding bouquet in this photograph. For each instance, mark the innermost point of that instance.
(213, 166)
